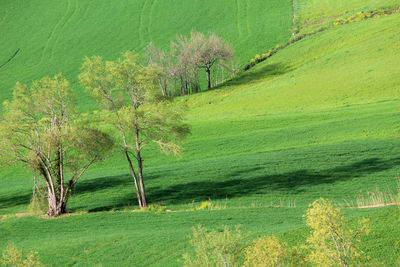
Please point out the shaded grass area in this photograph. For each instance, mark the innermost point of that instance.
(297, 156)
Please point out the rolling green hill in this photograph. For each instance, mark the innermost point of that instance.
(319, 118)
(55, 36)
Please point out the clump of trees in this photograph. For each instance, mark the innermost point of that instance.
(331, 243)
(128, 94)
(185, 59)
(42, 129)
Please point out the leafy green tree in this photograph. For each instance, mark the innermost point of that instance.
(41, 129)
(132, 103)
(331, 241)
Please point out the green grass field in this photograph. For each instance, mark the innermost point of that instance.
(55, 37)
(318, 119)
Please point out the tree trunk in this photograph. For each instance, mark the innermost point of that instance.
(208, 78)
(140, 166)
(134, 178)
(56, 208)
(142, 189)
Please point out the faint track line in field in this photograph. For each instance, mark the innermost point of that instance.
(52, 32)
(293, 19)
(140, 28)
(150, 18)
(3, 17)
(247, 17)
(11, 58)
(68, 18)
(237, 18)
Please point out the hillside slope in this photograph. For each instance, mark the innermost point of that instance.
(55, 36)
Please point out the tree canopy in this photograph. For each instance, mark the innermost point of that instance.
(41, 129)
(132, 103)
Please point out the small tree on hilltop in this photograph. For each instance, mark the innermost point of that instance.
(41, 129)
(331, 241)
(135, 107)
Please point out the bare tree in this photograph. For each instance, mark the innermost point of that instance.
(185, 65)
(209, 51)
(158, 58)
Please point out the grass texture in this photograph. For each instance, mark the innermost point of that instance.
(318, 119)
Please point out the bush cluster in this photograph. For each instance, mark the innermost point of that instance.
(261, 57)
(331, 242)
(366, 15)
(13, 257)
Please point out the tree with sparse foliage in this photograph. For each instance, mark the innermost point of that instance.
(331, 241)
(158, 58)
(209, 51)
(185, 67)
(41, 129)
(132, 103)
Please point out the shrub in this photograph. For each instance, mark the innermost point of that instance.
(216, 248)
(156, 208)
(331, 241)
(38, 203)
(205, 205)
(266, 251)
(13, 257)
(269, 251)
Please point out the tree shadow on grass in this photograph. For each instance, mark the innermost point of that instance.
(242, 182)
(13, 201)
(260, 73)
(295, 182)
(105, 183)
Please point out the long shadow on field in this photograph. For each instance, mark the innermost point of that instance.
(105, 183)
(260, 73)
(255, 180)
(13, 201)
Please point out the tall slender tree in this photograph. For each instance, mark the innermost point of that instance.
(133, 104)
(41, 129)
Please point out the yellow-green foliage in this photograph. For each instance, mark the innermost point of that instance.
(366, 15)
(155, 208)
(266, 251)
(331, 241)
(269, 251)
(208, 205)
(205, 205)
(13, 257)
(216, 248)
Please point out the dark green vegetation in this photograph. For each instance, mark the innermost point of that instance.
(318, 119)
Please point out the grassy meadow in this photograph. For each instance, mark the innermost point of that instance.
(55, 37)
(318, 119)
